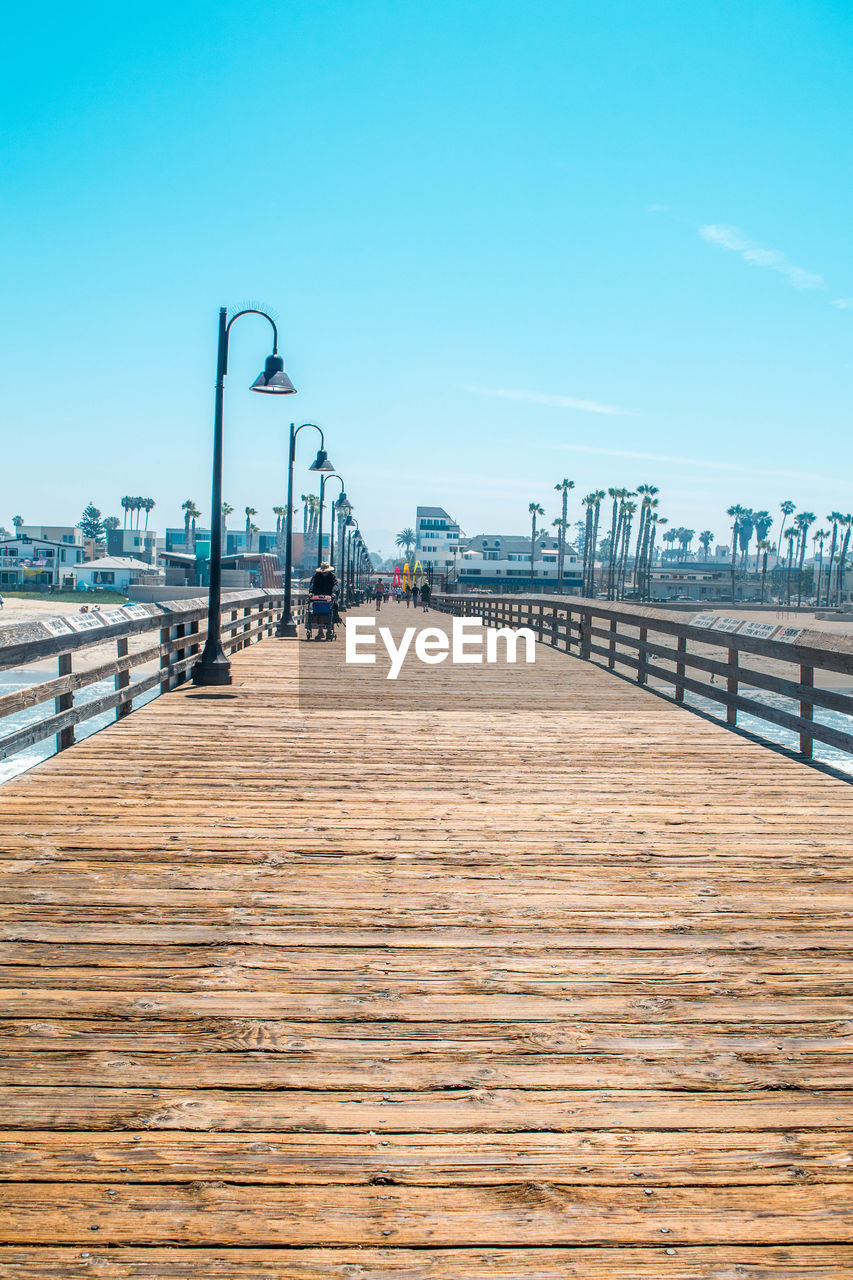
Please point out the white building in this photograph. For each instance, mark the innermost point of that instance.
(67, 533)
(492, 560)
(116, 572)
(437, 538)
(38, 562)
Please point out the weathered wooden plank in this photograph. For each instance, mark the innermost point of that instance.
(591, 1158)
(682, 1262)
(447, 1110)
(537, 1213)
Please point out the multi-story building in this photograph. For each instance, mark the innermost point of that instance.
(493, 561)
(67, 533)
(437, 538)
(38, 562)
(138, 544)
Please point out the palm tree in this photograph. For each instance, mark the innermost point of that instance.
(563, 487)
(736, 512)
(535, 510)
(685, 537)
(819, 537)
(647, 493)
(837, 518)
(18, 522)
(787, 508)
(671, 536)
(706, 537)
(303, 498)
(125, 506)
(191, 514)
(280, 524)
(656, 523)
(148, 505)
(847, 522)
(628, 512)
(746, 524)
(791, 535)
(250, 511)
(763, 546)
(225, 512)
(803, 522)
(406, 539)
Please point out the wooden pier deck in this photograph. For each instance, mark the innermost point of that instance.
(545, 986)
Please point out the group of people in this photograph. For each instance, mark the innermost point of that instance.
(413, 595)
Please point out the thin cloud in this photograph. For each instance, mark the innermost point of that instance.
(690, 462)
(736, 241)
(843, 304)
(557, 402)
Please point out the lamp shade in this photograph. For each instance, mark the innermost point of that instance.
(321, 462)
(273, 380)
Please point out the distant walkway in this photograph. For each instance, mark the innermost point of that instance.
(541, 986)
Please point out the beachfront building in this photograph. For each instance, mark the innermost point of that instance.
(68, 534)
(496, 561)
(28, 561)
(138, 544)
(118, 573)
(437, 539)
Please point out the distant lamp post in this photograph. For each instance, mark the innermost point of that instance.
(213, 666)
(286, 628)
(351, 532)
(324, 480)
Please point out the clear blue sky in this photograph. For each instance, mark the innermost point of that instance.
(588, 204)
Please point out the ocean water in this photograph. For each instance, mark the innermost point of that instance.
(11, 681)
(822, 752)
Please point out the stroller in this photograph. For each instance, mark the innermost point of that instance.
(321, 618)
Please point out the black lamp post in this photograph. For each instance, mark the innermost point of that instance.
(351, 531)
(344, 510)
(286, 628)
(213, 666)
(324, 479)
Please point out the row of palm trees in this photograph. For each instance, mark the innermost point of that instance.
(747, 522)
(135, 507)
(311, 515)
(621, 564)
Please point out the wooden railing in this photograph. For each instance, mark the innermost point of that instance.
(178, 631)
(642, 639)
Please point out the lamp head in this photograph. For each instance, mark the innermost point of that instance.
(321, 462)
(273, 380)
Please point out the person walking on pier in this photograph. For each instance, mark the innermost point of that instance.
(408, 595)
(378, 592)
(426, 592)
(415, 590)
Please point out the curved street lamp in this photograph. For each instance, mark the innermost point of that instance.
(286, 628)
(213, 667)
(324, 480)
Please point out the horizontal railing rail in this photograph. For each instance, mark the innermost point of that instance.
(641, 638)
(180, 628)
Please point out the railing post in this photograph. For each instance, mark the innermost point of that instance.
(732, 687)
(122, 680)
(180, 632)
(247, 626)
(680, 667)
(165, 657)
(65, 701)
(611, 645)
(586, 633)
(642, 674)
(806, 711)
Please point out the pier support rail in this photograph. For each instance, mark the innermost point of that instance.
(703, 656)
(166, 637)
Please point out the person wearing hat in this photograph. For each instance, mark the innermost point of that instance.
(324, 583)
